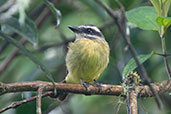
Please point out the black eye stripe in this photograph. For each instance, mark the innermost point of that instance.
(91, 31)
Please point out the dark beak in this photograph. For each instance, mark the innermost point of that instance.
(74, 28)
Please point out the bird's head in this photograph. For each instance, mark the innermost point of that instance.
(87, 31)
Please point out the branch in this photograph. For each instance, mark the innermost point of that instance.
(166, 62)
(73, 88)
(130, 84)
(160, 88)
(106, 89)
(38, 100)
(164, 55)
(114, 90)
(132, 102)
(18, 103)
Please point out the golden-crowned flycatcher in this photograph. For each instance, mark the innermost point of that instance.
(87, 56)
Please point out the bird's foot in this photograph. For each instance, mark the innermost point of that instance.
(85, 84)
(54, 94)
(98, 85)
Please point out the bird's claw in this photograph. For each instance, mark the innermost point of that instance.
(85, 84)
(98, 85)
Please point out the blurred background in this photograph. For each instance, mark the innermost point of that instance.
(51, 48)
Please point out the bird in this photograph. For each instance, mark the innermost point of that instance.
(87, 56)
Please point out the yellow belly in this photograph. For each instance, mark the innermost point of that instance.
(86, 59)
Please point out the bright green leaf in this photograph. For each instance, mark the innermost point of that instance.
(144, 17)
(165, 21)
(161, 6)
(166, 6)
(157, 6)
(132, 64)
(27, 30)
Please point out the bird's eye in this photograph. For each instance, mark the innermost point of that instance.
(89, 30)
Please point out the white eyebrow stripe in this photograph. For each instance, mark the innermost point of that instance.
(94, 36)
(92, 27)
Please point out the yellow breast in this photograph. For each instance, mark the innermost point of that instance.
(86, 59)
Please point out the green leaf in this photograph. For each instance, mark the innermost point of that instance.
(132, 64)
(27, 30)
(157, 6)
(55, 12)
(165, 21)
(143, 17)
(161, 6)
(166, 6)
(28, 54)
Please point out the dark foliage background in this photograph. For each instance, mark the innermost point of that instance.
(78, 12)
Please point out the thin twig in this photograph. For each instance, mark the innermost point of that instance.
(132, 102)
(143, 106)
(38, 100)
(18, 103)
(145, 78)
(164, 55)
